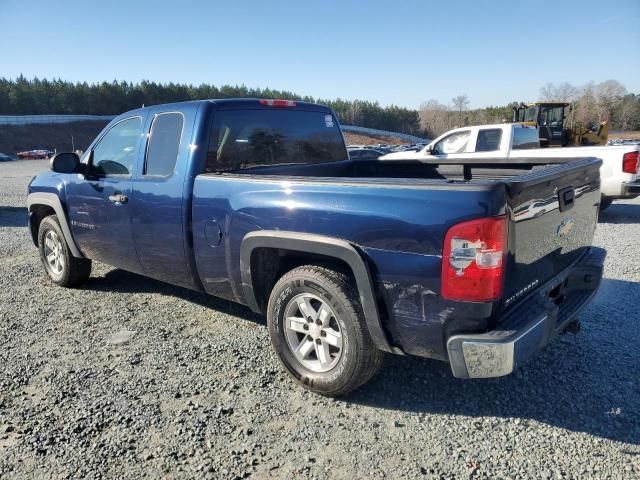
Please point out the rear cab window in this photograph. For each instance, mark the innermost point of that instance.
(244, 139)
(164, 144)
(488, 140)
(525, 138)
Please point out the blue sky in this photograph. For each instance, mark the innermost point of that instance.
(400, 52)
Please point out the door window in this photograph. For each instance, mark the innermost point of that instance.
(164, 143)
(115, 153)
(454, 143)
(551, 116)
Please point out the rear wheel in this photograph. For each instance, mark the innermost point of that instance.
(62, 267)
(318, 331)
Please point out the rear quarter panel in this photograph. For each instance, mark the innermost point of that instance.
(399, 229)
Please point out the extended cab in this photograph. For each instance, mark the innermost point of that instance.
(618, 174)
(257, 202)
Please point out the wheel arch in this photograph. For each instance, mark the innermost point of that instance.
(336, 250)
(43, 204)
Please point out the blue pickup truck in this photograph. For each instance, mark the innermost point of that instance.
(257, 201)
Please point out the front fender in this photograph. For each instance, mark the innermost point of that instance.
(53, 201)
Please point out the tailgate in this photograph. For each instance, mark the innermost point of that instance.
(553, 215)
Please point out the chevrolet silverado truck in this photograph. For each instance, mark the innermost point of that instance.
(618, 174)
(257, 202)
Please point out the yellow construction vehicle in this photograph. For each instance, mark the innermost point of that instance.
(556, 125)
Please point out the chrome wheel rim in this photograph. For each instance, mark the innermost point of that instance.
(53, 252)
(313, 332)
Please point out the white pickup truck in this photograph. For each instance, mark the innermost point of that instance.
(618, 174)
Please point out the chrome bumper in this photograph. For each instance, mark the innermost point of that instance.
(528, 326)
(631, 189)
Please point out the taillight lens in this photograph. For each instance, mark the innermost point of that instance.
(473, 260)
(630, 162)
(277, 102)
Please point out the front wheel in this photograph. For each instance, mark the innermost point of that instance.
(318, 331)
(62, 267)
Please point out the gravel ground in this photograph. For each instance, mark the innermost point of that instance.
(128, 378)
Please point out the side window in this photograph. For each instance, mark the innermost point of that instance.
(488, 140)
(525, 138)
(454, 143)
(115, 154)
(164, 143)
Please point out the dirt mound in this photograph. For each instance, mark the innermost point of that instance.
(52, 136)
(624, 135)
(362, 139)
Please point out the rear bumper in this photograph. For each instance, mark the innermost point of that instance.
(530, 325)
(631, 189)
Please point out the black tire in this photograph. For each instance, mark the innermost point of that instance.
(72, 270)
(358, 360)
(605, 203)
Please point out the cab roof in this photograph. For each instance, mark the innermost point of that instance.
(241, 103)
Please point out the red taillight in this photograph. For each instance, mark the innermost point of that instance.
(473, 260)
(277, 103)
(630, 162)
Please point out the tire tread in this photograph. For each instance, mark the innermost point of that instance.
(370, 356)
(78, 269)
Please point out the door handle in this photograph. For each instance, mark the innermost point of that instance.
(119, 198)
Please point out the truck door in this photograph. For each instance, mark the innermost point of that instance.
(161, 204)
(99, 204)
(551, 125)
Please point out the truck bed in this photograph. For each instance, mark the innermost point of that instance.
(397, 218)
(428, 169)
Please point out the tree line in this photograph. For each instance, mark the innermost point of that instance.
(592, 103)
(24, 96)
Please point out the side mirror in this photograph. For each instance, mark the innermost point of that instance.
(65, 163)
(428, 149)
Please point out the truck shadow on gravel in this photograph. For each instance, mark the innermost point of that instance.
(621, 213)
(13, 216)
(586, 383)
(126, 282)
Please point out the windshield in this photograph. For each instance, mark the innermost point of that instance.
(241, 139)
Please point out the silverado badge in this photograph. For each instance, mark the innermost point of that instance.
(565, 227)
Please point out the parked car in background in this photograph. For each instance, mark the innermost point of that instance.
(6, 158)
(365, 153)
(624, 141)
(35, 154)
(520, 143)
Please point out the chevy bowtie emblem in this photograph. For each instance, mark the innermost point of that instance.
(565, 227)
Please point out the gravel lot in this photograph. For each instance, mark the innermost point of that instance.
(129, 377)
